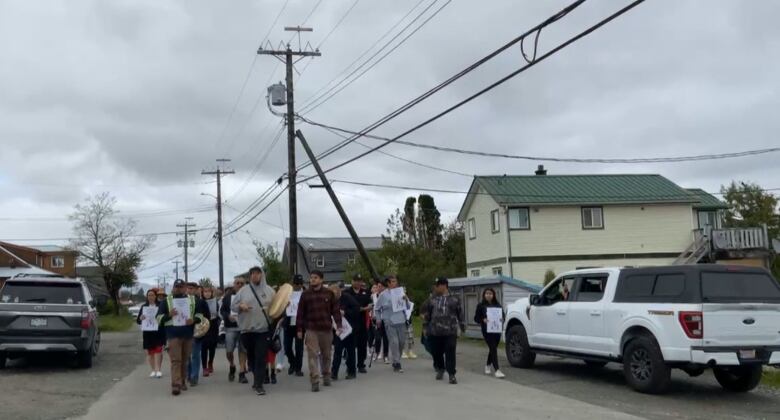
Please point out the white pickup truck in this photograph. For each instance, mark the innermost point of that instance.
(652, 320)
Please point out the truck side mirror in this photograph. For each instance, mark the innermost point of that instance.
(533, 299)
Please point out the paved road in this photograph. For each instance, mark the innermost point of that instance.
(689, 398)
(49, 387)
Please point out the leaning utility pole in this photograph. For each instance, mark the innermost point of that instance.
(187, 245)
(288, 54)
(176, 270)
(219, 172)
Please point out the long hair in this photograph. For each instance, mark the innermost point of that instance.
(495, 296)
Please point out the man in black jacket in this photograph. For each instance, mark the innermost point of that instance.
(293, 346)
(233, 334)
(351, 310)
(443, 317)
(363, 298)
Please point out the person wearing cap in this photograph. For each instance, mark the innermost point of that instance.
(317, 311)
(363, 297)
(350, 310)
(293, 345)
(233, 334)
(179, 337)
(255, 325)
(394, 322)
(193, 367)
(443, 316)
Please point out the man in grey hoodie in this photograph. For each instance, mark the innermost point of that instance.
(255, 325)
(394, 322)
(443, 316)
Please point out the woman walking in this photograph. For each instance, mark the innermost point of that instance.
(153, 341)
(211, 338)
(489, 300)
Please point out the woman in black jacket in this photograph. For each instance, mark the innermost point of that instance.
(209, 349)
(489, 300)
(153, 341)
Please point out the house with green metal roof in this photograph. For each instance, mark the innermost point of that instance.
(523, 226)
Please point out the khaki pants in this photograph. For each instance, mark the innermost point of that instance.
(179, 351)
(318, 349)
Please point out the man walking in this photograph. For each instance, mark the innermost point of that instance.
(193, 367)
(233, 334)
(256, 328)
(394, 322)
(350, 309)
(293, 345)
(317, 311)
(363, 298)
(179, 332)
(443, 316)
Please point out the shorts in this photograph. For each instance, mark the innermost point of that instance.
(154, 350)
(233, 340)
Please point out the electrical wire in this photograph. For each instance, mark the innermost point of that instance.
(256, 203)
(325, 39)
(276, 197)
(260, 162)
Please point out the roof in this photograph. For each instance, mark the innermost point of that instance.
(497, 279)
(8, 272)
(706, 200)
(338, 244)
(41, 248)
(578, 190)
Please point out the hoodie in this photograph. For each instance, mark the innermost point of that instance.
(254, 320)
(443, 315)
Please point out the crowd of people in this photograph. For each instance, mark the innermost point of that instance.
(354, 326)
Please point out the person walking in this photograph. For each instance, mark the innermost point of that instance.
(293, 345)
(256, 328)
(209, 342)
(153, 341)
(193, 369)
(394, 322)
(179, 329)
(489, 300)
(380, 335)
(233, 334)
(363, 298)
(443, 317)
(350, 310)
(317, 311)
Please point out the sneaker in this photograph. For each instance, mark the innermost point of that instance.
(326, 382)
(362, 370)
(259, 390)
(242, 378)
(291, 370)
(279, 367)
(439, 375)
(158, 375)
(184, 386)
(350, 376)
(315, 387)
(273, 379)
(153, 375)
(404, 355)
(453, 381)
(299, 373)
(387, 362)
(398, 369)
(500, 375)
(194, 382)
(232, 374)
(267, 380)
(206, 373)
(175, 390)
(412, 355)
(488, 370)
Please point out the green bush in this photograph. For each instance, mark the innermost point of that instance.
(549, 276)
(107, 308)
(113, 323)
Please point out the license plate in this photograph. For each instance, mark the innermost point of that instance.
(747, 354)
(39, 322)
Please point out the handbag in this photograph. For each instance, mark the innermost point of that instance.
(274, 343)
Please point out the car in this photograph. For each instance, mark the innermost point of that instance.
(134, 310)
(48, 314)
(654, 319)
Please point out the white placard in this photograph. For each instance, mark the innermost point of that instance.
(212, 307)
(495, 321)
(149, 323)
(409, 311)
(397, 298)
(182, 306)
(346, 328)
(295, 299)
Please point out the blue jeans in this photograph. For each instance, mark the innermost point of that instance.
(193, 368)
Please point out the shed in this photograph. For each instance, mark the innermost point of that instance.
(469, 290)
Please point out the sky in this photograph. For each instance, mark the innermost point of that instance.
(138, 97)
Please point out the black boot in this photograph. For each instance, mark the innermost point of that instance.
(273, 377)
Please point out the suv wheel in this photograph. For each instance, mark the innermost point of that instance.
(86, 357)
(518, 352)
(739, 378)
(644, 366)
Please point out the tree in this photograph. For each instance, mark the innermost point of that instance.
(429, 225)
(549, 276)
(751, 206)
(109, 241)
(205, 282)
(276, 273)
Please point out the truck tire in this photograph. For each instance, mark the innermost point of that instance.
(518, 351)
(739, 378)
(644, 367)
(595, 363)
(85, 357)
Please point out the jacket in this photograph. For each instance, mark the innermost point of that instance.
(443, 316)
(256, 319)
(384, 310)
(481, 313)
(185, 331)
(316, 309)
(351, 308)
(363, 298)
(224, 311)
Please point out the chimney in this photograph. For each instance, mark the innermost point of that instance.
(540, 170)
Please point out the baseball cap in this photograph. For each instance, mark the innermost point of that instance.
(255, 269)
(179, 283)
(297, 279)
(442, 281)
(357, 276)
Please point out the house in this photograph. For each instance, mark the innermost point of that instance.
(329, 255)
(93, 276)
(52, 258)
(523, 226)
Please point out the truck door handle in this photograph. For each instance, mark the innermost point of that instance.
(560, 312)
(595, 313)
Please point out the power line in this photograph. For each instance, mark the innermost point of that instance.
(261, 161)
(493, 85)
(325, 39)
(158, 213)
(276, 197)
(256, 203)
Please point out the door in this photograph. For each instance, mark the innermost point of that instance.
(587, 331)
(550, 326)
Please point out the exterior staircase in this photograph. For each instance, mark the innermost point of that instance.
(698, 249)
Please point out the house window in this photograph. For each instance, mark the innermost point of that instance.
(592, 218)
(57, 262)
(708, 219)
(319, 260)
(519, 219)
(474, 273)
(497, 271)
(495, 224)
(472, 229)
(351, 259)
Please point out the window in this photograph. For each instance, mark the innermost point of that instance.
(319, 260)
(558, 291)
(495, 224)
(43, 292)
(736, 286)
(519, 219)
(351, 259)
(592, 218)
(472, 229)
(708, 219)
(474, 273)
(57, 262)
(591, 288)
(669, 285)
(645, 287)
(497, 271)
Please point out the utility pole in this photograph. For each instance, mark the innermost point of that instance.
(176, 270)
(219, 172)
(187, 244)
(288, 55)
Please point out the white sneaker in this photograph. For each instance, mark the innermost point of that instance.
(387, 362)
(159, 375)
(412, 355)
(488, 370)
(404, 355)
(153, 375)
(500, 375)
(279, 367)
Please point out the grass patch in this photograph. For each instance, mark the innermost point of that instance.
(771, 377)
(116, 323)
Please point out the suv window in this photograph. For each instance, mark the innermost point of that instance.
(42, 292)
(558, 291)
(733, 286)
(662, 287)
(669, 285)
(591, 288)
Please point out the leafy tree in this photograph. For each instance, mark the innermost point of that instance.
(751, 206)
(205, 282)
(276, 273)
(429, 225)
(549, 276)
(109, 241)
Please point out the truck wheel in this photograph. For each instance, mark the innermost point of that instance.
(739, 378)
(518, 352)
(644, 366)
(85, 357)
(595, 363)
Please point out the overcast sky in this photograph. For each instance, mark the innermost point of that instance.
(132, 97)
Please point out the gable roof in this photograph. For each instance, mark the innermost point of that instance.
(494, 279)
(338, 244)
(55, 249)
(561, 190)
(705, 200)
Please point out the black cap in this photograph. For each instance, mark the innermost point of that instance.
(357, 276)
(179, 283)
(442, 281)
(255, 269)
(297, 279)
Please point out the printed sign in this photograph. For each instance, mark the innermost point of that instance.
(182, 306)
(397, 298)
(495, 320)
(149, 323)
